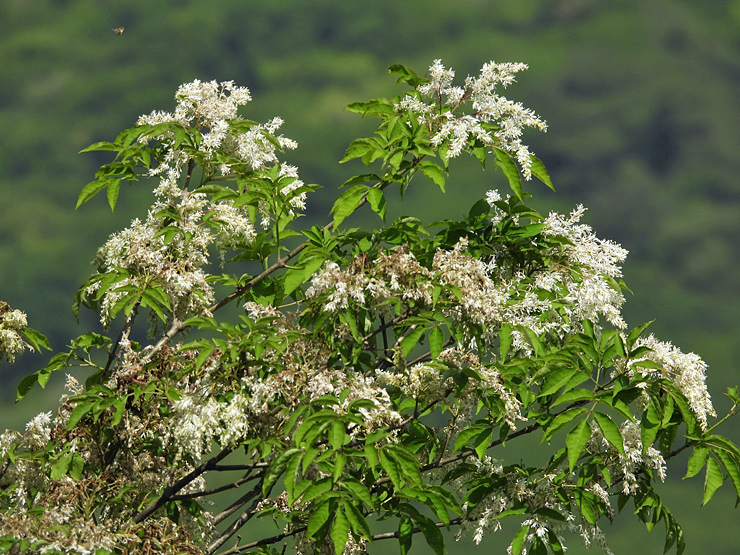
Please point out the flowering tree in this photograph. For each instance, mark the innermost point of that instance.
(367, 375)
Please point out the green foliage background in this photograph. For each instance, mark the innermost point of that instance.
(641, 97)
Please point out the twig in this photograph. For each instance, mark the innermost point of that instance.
(265, 541)
(234, 527)
(243, 500)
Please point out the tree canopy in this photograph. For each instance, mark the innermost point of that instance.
(363, 375)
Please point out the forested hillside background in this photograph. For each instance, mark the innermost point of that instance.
(642, 99)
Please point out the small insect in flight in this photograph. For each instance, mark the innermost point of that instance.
(118, 30)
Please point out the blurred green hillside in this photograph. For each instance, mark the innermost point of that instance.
(642, 99)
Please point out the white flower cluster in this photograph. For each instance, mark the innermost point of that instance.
(687, 371)
(508, 119)
(146, 255)
(395, 274)
(595, 260)
(483, 300)
(423, 382)
(11, 342)
(199, 419)
(209, 107)
(491, 382)
(626, 467)
(171, 246)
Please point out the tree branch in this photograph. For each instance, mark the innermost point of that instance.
(243, 500)
(177, 486)
(243, 480)
(264, 541)
(390, 535)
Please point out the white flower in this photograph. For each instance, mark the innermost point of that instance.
(486, 107)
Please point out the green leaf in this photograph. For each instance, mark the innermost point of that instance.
(432, 534)
(434, 502)
(37, 339)
(113, 187)
(436, 341)
(76, 466)
(296, 277)
(319, 517)
(730, 466)
(101, 145)
(348, 203)
(149, 300)
(407, 463)
(357, 489)
(519, 539)
(434, 172)
(79, 411)
(371, 455)
(538, 170)
(712, 480)
(340, 461)
(574, 396)
(576, 441)
(611, 431)
(561, 420)
(509, 167)
(724, 444)
(340, 531)
(410, 341)
(405, 534)
(89, 191)
(406, 75)
(554, 543)
(649, 426)
(277, 467)
(60, 467)
(357, 149)
(635, 333)
(483, 442)
(556, 380)
(391, 468)
(358, 522)
(319, 488)
(376, 198)
(504, 340)
(337, 434)
(291, 473)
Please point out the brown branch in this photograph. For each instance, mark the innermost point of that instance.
(376, 537)
(390, 535)
(112, 355)
(243, 480)
(228, 467)
(265, 541)
(177, 486)
(243, 500)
